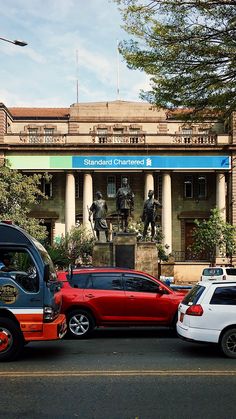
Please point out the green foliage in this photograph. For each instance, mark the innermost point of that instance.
(188, 49)
(214, 236)
(74, 248)
(18, 193)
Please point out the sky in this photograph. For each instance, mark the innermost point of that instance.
(70, 43)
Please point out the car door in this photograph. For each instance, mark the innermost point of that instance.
(105, 294)
(145, 302)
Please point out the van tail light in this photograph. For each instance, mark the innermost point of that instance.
(224, 277)
(195, 310)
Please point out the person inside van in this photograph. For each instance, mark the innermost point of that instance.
(6, 260)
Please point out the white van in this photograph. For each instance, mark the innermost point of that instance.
(218, 273)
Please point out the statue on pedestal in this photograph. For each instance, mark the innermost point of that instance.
(99, 210)
(124, 203)
(149, 215)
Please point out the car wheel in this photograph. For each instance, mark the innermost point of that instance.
(228, 343)
(80, 324)
(11, 340)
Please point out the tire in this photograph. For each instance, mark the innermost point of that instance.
(80, 324)
(11, 340)
(228, 343)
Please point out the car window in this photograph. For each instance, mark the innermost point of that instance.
(105, 281)
(140, 284)
(231, 271)
(193, 296)
(212, 271)
(77, 280)
(224, 296)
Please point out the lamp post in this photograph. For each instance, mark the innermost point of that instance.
(15, 42)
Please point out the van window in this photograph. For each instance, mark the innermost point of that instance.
(231, 271)
(213, 271)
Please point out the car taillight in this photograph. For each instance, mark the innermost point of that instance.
(195, 310)
(224, 277)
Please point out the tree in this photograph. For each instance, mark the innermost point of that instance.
(75, 248)
(188, 47)
(18, 193)
(214, 236)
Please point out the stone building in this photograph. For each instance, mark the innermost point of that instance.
(91, 146)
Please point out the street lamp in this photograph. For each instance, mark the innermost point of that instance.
(16, 42)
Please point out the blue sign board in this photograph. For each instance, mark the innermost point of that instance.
(150, 162)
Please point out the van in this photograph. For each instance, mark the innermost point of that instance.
(218, 273)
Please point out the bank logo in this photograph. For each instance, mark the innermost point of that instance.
(148, 162)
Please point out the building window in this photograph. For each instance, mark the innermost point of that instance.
(111, 186)
(195, 187)
(202, 187)
(48, 135)
(188, 187)
(118, 135)
(187, 131)
(47, 187)
(77, 187)
(33, 135)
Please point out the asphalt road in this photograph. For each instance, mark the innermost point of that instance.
(119, 374)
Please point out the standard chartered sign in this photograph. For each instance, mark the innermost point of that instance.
(164, 162)
(151, 162)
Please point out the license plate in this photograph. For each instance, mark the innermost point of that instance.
(181, 317)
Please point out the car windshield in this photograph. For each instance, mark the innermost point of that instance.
(193, 296)
(213, 272)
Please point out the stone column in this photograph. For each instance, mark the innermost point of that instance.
(167, 211)
(69, 202)
(87, 198)
(149, 184)
(220, 194)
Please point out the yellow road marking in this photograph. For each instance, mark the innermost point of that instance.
(110, 373)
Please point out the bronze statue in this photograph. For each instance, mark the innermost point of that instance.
(149, 215)
(99, 210)
(124, 203)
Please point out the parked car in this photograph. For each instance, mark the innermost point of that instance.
(219, 273)
(94, 297)
(208, 314)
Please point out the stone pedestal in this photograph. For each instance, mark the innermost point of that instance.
(126, 252)
(146, 258)
(102, 254)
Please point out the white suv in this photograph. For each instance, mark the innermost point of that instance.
(219, 273)
(208, 314)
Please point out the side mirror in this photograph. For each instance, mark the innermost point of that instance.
(162, 290)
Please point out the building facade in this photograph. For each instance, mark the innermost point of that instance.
(91, 146)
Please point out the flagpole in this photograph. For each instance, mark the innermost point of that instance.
(77, 81)
(118, 71)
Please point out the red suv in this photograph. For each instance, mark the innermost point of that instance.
(93, 297)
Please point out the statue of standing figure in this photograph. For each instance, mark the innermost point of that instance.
(149, 215)
(99, 210)
(124, 203)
